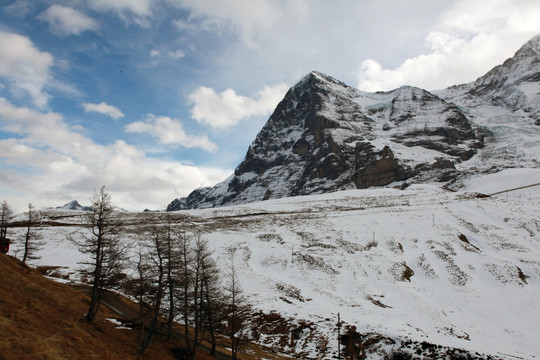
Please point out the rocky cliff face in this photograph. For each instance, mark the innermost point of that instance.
(506, 101)
(514, 85)
(326, 136)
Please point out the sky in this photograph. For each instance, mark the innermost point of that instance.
(154, 98)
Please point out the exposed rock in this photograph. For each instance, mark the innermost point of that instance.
(326, 136)
(320, 138)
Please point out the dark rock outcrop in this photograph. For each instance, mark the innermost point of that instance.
(321, 138)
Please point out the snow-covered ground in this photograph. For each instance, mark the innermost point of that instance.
(352, 252)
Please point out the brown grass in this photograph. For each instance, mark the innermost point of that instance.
(377, 302)
(43, 319)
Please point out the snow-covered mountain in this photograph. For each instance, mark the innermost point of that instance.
(74, 205)
(506, 101)
(325, 136)
(514, 85)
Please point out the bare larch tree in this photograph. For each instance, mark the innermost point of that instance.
(107, 254)
(211, 294)
(32, 241)
(155, 244)
(236, 308)
(6, 215)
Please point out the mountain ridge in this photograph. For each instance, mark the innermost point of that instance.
(74, 205)
(326, 136)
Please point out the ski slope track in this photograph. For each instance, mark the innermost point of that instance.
(408, 268)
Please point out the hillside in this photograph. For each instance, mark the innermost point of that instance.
(42, 319)
(412, 270)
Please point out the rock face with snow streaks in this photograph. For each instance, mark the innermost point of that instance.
(325, 136)
(505, 101)
(513, 84)
(321, 138)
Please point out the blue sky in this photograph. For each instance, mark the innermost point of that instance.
(153, 98)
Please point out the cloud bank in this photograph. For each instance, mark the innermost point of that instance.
(472, 38)
(170, 132)
(227, 108)
(27, 69)
(56, 163)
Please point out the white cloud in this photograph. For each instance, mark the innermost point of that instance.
(136, 11)
(248, 18)
(25, 67)
(398, 38)
(65, 21)
(170, 132)
(105, 109)
(39, 129)
(228, 108)
(20, 8)
(472, 38)
(284, 40)
(139, 7)
(163, 52)
(51, 164)
(178, 54)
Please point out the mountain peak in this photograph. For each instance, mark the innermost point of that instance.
(318, 79)
(513, 86)
(74, 205)
(317, 75)
(534, 43)
(325, 136)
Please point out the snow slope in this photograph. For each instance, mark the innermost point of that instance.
(352, 252)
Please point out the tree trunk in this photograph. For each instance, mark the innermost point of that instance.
(26, 244)
(94, 304)
(185, 279)
(95, 294)
(149, 336)
(171, 311)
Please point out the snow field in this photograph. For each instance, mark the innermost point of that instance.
(389, 261)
